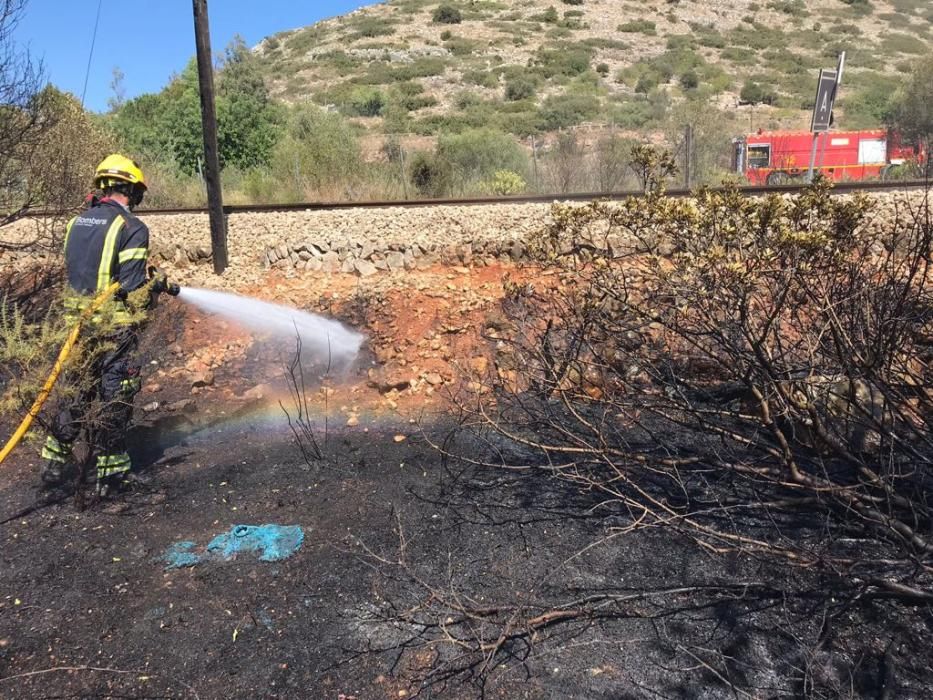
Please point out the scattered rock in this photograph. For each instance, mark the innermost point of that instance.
(479, 365)
(433, 378)
(182, 405)
(385, 383)
(364, 268)
(257, 393)
(150, 407)
(202, 379)
(395, 261)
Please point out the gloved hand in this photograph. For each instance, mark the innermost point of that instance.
(160, 283)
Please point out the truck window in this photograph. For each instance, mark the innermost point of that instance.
(759, 156)
(872, 151)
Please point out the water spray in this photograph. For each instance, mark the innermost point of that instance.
(320, 336)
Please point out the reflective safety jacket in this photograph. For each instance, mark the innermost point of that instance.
(105, 244)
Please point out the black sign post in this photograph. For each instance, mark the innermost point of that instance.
(826, 88)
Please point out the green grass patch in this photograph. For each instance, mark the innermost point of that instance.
(483, 78)
(638, 26)
(372, 27)
(561, 111)
(739, 55)
(794, 8)
(896, 19)
(562, 60)
(897, 43)
(758, 36)
(384, 73)
(606, 44)
(909, 6)
(304, 40)
(787, 62)
(460, 46)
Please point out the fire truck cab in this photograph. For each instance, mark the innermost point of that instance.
(782, 157)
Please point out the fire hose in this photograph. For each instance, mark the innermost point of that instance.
(159, 284)
(57, 370)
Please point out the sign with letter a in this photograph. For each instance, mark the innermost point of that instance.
(825, 97)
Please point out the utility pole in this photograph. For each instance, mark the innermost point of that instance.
(688, 155)
(215, 202)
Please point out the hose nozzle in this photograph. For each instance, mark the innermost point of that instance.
(161, 285)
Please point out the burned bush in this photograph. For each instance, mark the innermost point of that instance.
(749, 375)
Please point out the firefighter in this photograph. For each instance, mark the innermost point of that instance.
(104, 244)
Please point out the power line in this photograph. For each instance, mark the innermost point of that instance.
(87, 73)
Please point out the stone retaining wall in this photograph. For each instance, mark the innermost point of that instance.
(362, 242)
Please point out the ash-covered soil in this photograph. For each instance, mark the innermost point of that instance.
(419, 575)
(89, 610)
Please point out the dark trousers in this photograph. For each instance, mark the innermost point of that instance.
(115, 382)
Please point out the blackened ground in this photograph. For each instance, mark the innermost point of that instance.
(87, 609)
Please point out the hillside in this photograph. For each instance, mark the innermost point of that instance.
(531, 66)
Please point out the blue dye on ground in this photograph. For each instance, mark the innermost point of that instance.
(268, 542)
(179, 555)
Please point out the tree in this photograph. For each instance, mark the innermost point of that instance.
(118, 99)
(566, 163)
(911, 110)
(476, 155)
(319, 148)
(168, 124)
(247, 118)
(24, 119)
(753, 93)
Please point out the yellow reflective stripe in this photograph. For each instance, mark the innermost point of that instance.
(133, 254)
(68, 231)
(105, 271)
(113, 460)
(114, 311)
(53, 445)
(104, 472)
(53, 456)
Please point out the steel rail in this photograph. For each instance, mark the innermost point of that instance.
(839, 188)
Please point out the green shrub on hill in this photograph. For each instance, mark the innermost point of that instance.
(519, 89)
(370, 27)
(753, 93)
(477, 154)
(429, 174)
(383, 72)
(366, 102)
(483, 78)
(895, 43)
(638, 26)
(561, 111)
(446, 14)
(563, 60)
(794, 8)
(738, 55)
(758, 36)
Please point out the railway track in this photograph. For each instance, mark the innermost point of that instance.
(843, 187)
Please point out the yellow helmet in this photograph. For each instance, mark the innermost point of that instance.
(117, 168)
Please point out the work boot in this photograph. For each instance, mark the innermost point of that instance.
(110, 486)
(122, 483)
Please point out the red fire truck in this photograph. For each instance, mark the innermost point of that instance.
(783, 157)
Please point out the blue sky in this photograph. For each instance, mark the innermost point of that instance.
(149, 39)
